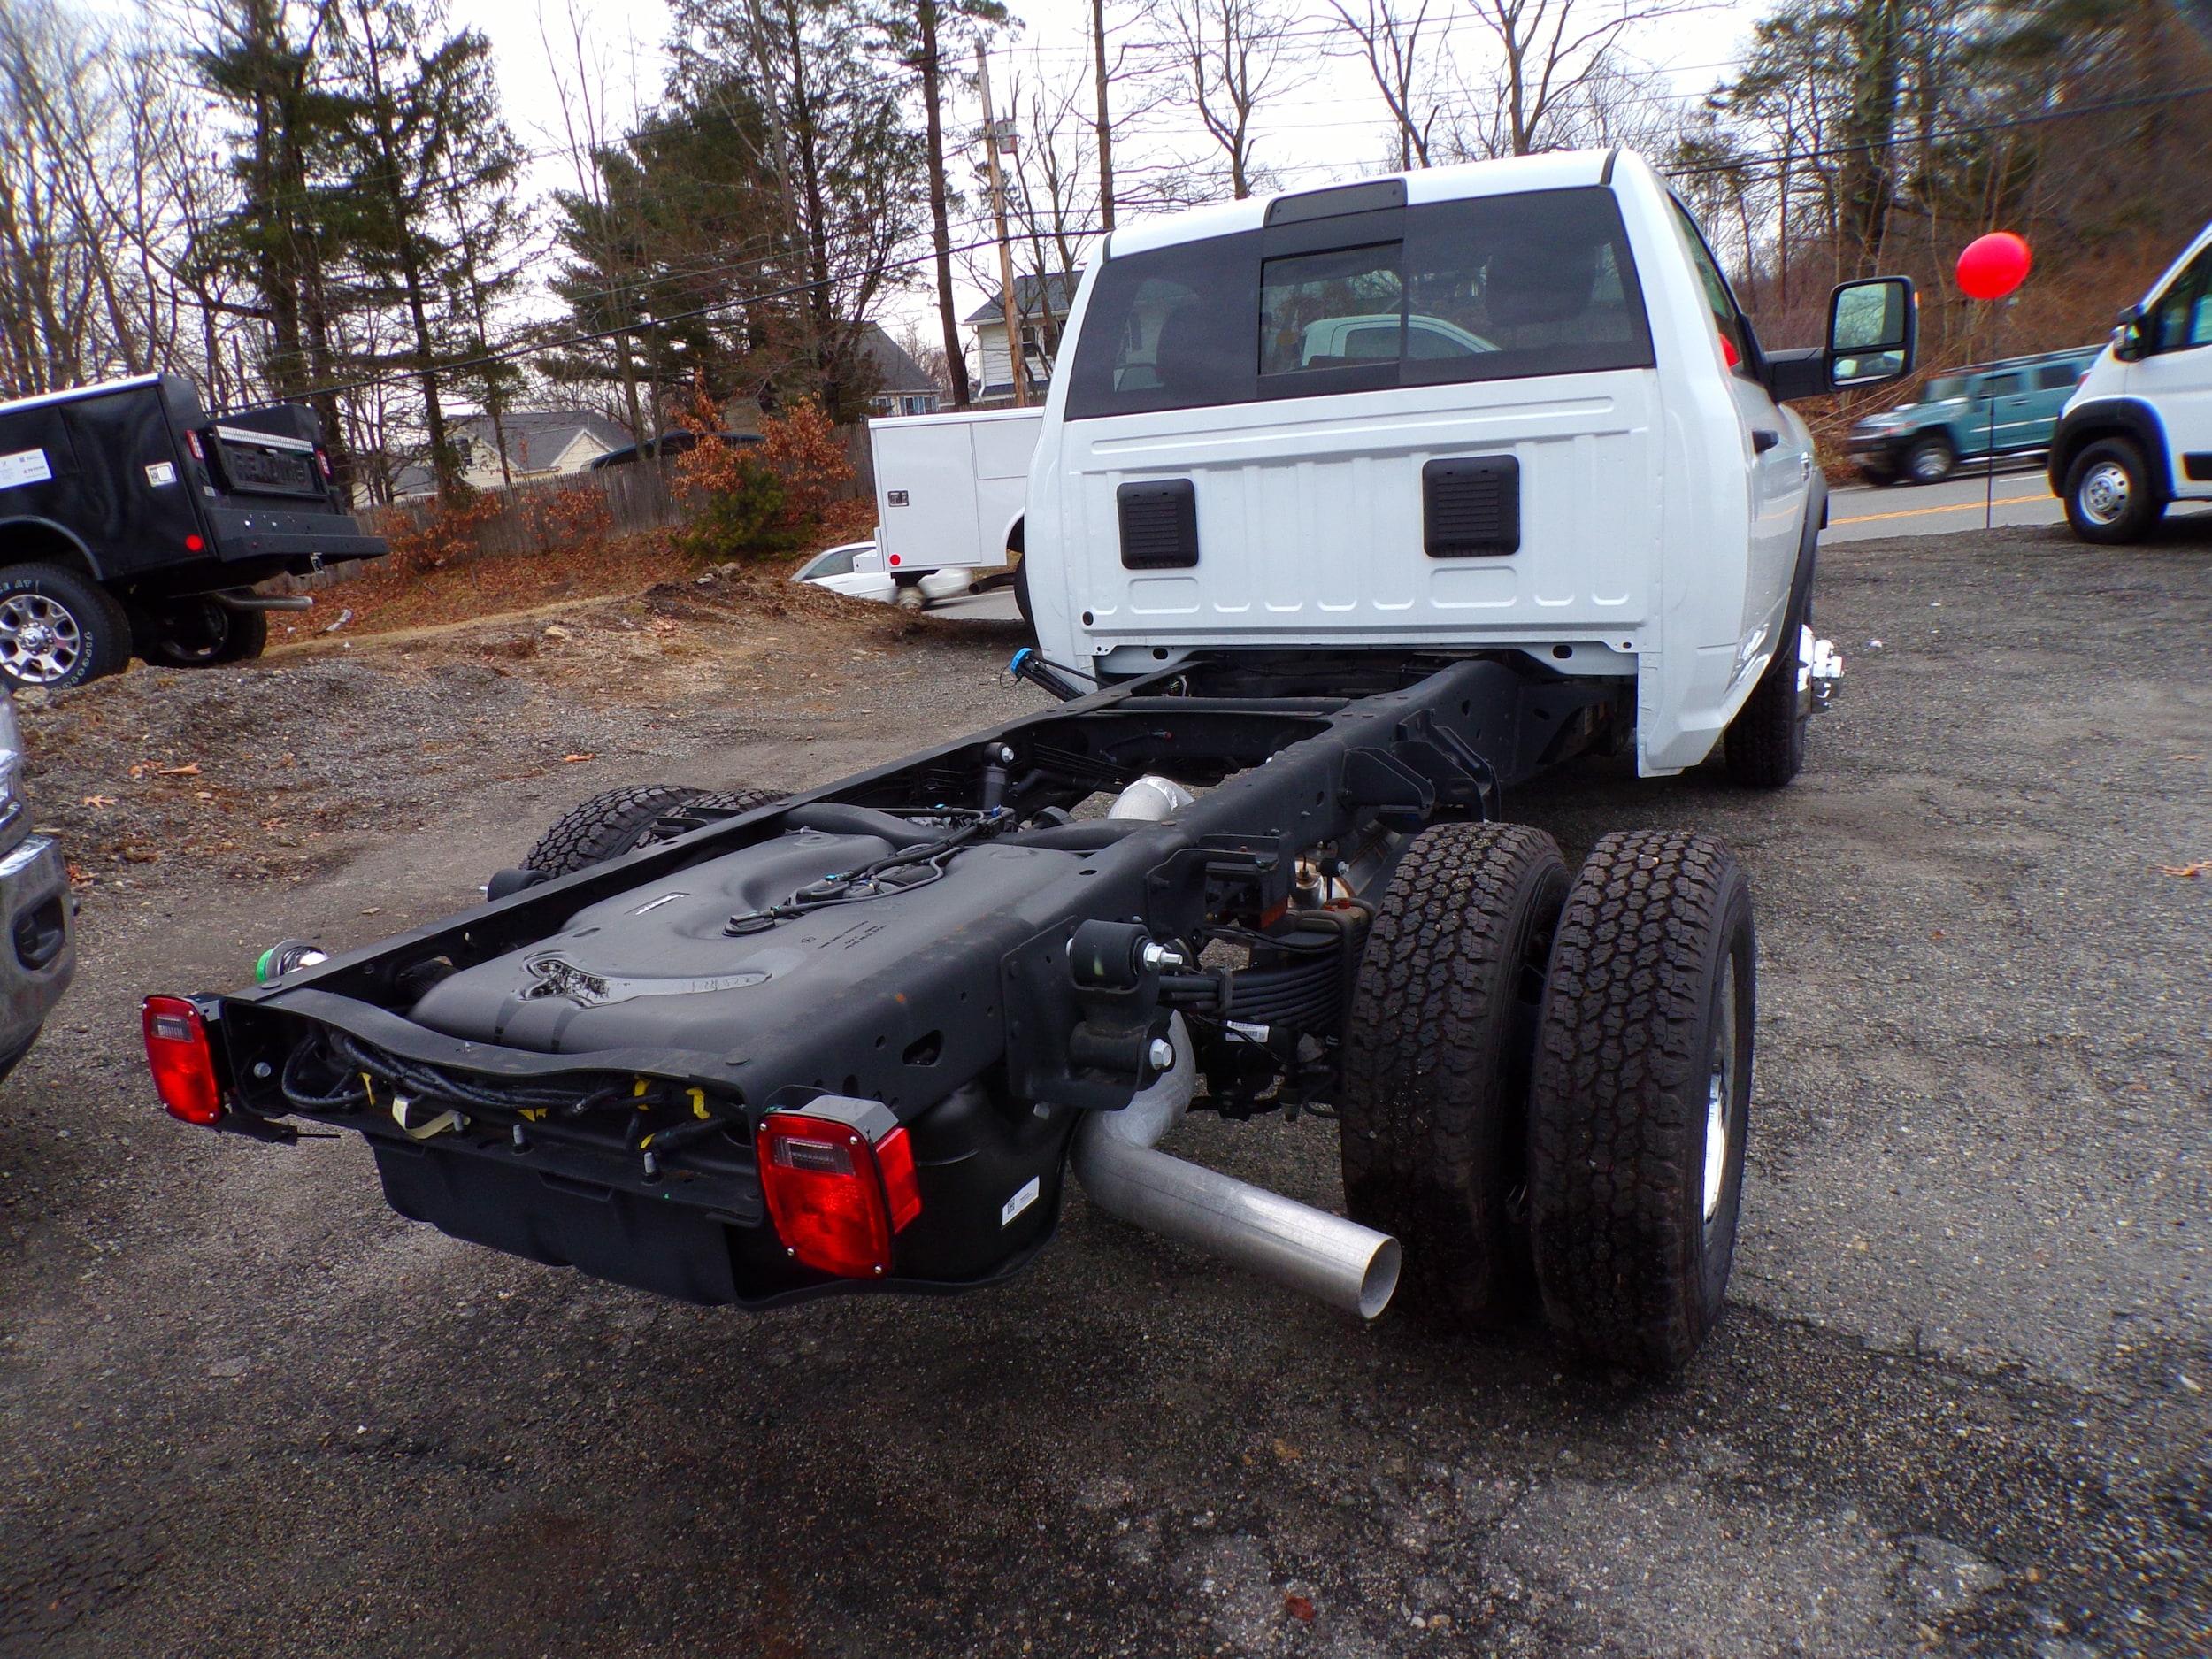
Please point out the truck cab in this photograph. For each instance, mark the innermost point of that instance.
(1511, 407)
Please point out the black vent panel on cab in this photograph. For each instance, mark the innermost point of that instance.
(1472, 508)
(1159, 524)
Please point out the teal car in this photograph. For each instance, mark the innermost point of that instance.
(1992, 409)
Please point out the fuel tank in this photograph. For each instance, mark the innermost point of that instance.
(663, 964)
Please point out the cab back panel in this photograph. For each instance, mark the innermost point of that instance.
(1311, 523)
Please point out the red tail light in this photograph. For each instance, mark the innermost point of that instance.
(323, 461)
(194, 544)
(183, 1063)
(839, 1179)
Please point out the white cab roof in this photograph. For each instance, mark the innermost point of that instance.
(1560, 171)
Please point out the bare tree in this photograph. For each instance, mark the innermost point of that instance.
(1559, 67)
(1402, 49)
(1234, 55)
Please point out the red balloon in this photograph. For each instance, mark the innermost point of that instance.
(1993, 265)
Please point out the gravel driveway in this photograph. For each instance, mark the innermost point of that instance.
(1959, 1403)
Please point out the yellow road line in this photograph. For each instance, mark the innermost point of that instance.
(1964, 506)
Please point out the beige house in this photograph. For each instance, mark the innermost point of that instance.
(540, 444)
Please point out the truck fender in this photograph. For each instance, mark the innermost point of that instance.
(26, 539)
(1801, 600)
(2109, 417)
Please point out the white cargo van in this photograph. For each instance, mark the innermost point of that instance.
(2138, 435)
(1506, 408)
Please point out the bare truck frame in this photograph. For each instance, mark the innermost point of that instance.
(852, 1039)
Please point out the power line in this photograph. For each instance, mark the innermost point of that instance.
(1976, 131)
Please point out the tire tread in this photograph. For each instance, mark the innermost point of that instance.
(1617, 1101)
(1422, 1107)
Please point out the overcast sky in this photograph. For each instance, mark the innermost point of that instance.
(1333, 127)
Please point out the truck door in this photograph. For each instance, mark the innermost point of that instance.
(2015, 411)
(2174, 376)
(1777, 449)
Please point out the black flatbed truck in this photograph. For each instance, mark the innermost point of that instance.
(132, 522)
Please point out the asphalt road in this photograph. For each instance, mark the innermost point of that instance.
(2013, 498)
(1959, 1403)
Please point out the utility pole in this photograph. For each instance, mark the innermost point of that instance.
(1019, 369)
(1105, 120)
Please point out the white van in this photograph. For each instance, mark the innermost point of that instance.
(2138, 435)
(1510, 408)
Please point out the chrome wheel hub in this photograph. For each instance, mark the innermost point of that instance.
(2104, 493)
(1720, 1093)
(40, 641)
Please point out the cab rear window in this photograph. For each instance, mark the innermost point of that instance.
(1491, 288)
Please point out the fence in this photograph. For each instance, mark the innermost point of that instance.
(542, 514)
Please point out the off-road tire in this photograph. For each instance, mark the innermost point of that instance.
(1764, 745)
(1931, 461)
(231, 636)
(96, 625)
(614, 822)
(1656, 934)
(13, 1057)
(1433, 1109)
(2092, 520)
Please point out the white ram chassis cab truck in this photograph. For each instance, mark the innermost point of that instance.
(1355, 509)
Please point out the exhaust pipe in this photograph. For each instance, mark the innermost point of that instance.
(1349, 1267)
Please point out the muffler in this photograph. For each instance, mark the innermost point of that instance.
(1342, 1264)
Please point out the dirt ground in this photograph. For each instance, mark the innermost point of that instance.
(1959, 1403)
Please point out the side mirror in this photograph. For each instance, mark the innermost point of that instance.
(1873, 327)
(2129, 342)
(868, 563)
(1873, 333)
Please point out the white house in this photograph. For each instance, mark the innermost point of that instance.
(1040, 309)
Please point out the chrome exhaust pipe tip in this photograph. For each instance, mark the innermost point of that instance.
(1347, 1266)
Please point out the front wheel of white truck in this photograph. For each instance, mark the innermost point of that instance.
(1641, 1098)
(1764, 745)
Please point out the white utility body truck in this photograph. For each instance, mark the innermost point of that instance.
(950, 488)
(1349, 512)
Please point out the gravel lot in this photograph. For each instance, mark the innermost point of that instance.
(1959, 1404)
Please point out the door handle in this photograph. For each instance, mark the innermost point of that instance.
(1762, 439)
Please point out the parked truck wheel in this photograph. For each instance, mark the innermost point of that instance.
(1021, 592)
(1433, 1106)
(614, 822)
(1764, 745)
(58, 629)
(1931, 460)
(2111, 498)
(1641, 1096)
(196, 632)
